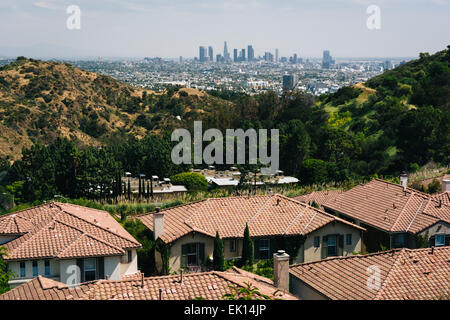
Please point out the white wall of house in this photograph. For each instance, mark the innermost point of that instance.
(69, 274)
(112, 267)
(14, 266)
(129, 267)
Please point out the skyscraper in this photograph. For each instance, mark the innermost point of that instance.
(327, 60)
(276, 55)
(250, 53)
(226, 55)
(243, 55)
(235, 55)
(202, 54)
(210, 53)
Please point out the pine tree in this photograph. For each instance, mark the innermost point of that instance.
(247, 249)
(218, 259)
(129, 190)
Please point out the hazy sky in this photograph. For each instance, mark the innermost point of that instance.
(170, 28)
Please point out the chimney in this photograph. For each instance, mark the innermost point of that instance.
(281, 270)
(446, 184)
(142, 280)
(158, 223)
(404, 179)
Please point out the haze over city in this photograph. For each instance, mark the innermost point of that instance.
(138, 28)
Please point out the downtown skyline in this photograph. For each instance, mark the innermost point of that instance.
(169, 29)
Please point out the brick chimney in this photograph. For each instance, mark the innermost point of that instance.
(446, 183)
(404, 179)
(158, 223)
(281, 270)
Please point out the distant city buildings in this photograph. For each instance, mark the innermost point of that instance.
(289, 81)
(251, 53)
(327, 60)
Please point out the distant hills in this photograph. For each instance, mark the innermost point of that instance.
(42, 100)
(393, 122)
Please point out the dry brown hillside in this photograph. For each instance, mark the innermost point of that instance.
(42, 100)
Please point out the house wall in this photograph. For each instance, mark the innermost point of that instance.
(307, 252)
(438, 228)
(112, 267)
(226, 249)
(313, 254)
(131, 267)
(69, 273)
(14, 266)
(175, 249)
(301, 290)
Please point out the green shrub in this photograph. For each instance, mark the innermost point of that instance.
(193, 181)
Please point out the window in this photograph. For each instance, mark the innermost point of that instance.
(348, 239)
(264, 248)
(22, 270)
(398, 240)
(130, 256)
(331, 244)
(233, 245)
(316, 242)
(192, 254)
(47, 267)
(35, 269)
(90, 269)
(439, 240)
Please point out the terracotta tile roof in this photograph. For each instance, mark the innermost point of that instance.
(66, 231)
(208, 285)
(405, 274)
(444, 197)
(269, 215)
(318, 197)
(390, 207)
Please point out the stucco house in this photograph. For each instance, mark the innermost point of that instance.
(66, 243)
(275, 222)
(394, 215)
(397, 274)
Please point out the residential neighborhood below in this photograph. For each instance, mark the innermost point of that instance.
(375, 241)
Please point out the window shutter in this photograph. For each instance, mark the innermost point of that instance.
(432, 241)
(340, 251)
(324, 247)
(201, 253)
(101, 268)
(80, 265)
(183, 255)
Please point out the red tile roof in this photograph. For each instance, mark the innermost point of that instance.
(318, 197)
(208, 285)
(62, 231)
(405, 274)
(266, 216)
(390, 207)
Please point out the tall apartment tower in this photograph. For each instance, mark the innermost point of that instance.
(210, 53)
(276, 55)
(243, 55)
(250, 53)
(202, 54)
(226, 55)
(235, 55)
(327, 60)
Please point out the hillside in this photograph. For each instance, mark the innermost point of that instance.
(40, 101)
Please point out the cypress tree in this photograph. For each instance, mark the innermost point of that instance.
(129, 190)
(218, 259)
(247, 249)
